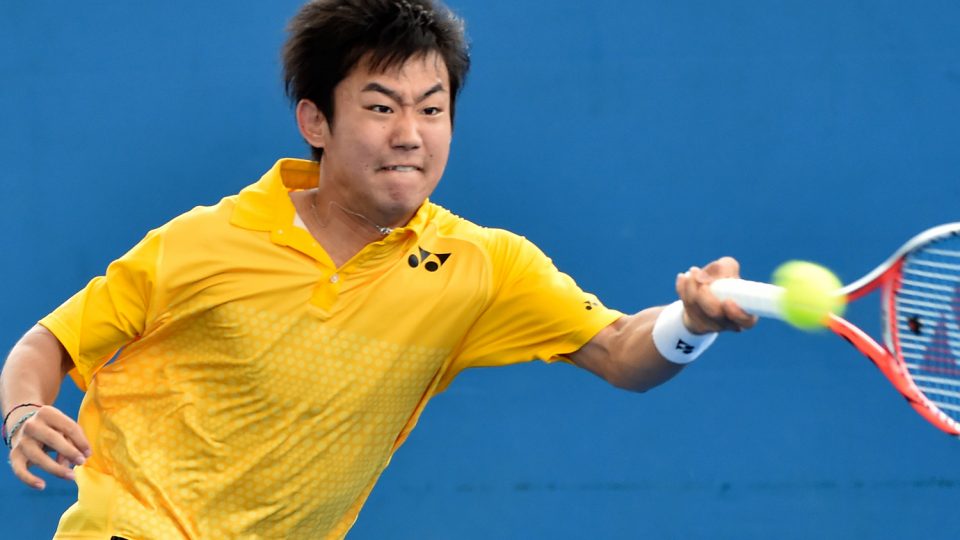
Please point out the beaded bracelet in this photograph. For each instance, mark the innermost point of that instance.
(13, 431)
(3, 429)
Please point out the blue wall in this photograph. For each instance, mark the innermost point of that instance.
(630, 140)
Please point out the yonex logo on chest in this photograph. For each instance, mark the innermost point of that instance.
(430, 261)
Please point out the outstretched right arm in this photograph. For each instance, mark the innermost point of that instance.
(32, 374)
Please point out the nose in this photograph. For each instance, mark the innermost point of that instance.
(406, 132)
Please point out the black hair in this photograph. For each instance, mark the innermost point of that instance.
(327, 38)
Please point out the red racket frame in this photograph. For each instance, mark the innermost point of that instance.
(889, 362)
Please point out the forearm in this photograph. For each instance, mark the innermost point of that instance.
(34, 370)
(32, 374)
(638, 365)
(624, 354)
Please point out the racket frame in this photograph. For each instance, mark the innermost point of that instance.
(889, 363)
(888, 357)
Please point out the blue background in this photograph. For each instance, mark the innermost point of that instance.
(630, 140)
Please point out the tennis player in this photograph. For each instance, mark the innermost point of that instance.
(251, 367)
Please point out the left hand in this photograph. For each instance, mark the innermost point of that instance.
(702, 311)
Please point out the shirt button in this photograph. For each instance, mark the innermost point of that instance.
(334, 278)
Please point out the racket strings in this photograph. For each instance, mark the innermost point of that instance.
(926, 323)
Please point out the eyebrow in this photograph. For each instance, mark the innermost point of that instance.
(394, 95)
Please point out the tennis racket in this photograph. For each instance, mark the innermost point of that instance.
(920, 305)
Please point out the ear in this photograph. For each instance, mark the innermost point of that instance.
(312, 123)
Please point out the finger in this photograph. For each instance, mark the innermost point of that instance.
(733, 310)
(706, 275)
(679, 284)
(702, 299)
(48, 437)
(688, 292)
(73, 435)
(738, 316)
(70, 430)
(724, 267)
(36, 438)
(688, 286)
(18, 462)
(35, 455)
(696, 306)
(735, 318)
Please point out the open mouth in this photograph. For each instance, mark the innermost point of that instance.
(400, 168)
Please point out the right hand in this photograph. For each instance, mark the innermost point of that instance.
(702, 311)
(48, 430)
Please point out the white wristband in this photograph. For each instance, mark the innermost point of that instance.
(674, 341)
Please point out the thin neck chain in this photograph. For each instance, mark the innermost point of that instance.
(384, 231)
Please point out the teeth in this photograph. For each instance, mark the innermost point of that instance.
(402, 168)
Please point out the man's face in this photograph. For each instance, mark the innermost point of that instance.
(390, 138)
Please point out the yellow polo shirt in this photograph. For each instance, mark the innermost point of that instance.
(239, 385)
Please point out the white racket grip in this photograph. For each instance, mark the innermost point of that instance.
(761, 299)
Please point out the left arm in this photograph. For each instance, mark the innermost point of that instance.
(624, 354)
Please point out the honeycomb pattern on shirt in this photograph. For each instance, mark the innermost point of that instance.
(233, 422)
(239, 337)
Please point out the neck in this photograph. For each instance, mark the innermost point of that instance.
(362, 219)
(341, 231)
(328, 210)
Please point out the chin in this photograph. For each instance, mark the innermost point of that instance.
(402, 208)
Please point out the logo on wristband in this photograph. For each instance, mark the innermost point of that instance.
(684, 347)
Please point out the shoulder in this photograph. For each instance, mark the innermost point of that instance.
(449, 224)
(491, 239)
(199, 224)
(503, 250)
(205, 216)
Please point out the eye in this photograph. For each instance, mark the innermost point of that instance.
(382, 109)
(432, 111)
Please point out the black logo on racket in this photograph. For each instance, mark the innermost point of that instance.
(914, 324)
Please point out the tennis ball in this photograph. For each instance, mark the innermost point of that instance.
(811, 292)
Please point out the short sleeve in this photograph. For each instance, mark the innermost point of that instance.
(109, 312)
(536, 311)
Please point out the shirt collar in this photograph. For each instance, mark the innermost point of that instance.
(266, 205)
